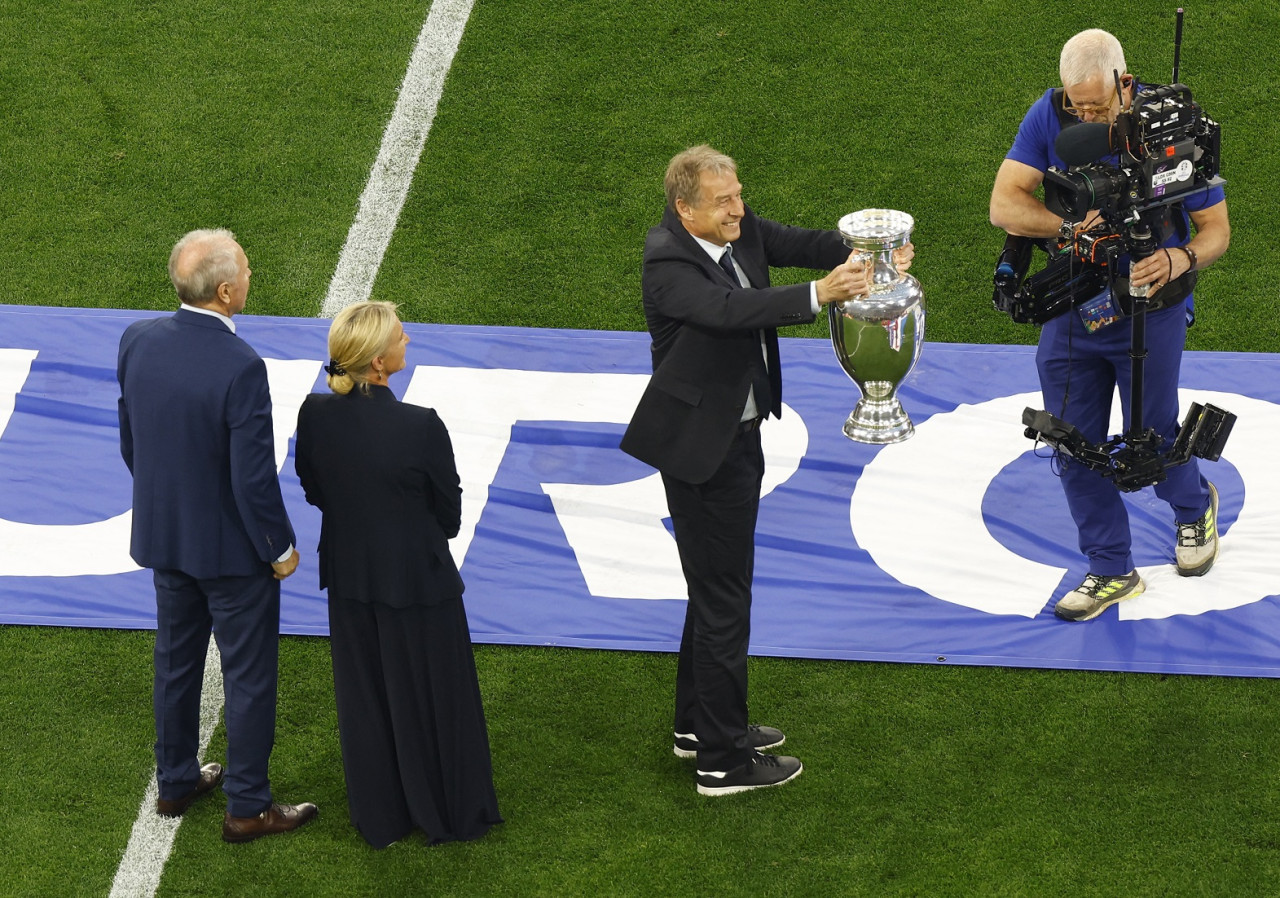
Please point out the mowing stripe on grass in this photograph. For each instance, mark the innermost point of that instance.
(402, 143)
(138, 875)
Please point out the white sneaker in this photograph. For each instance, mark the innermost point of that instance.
(1096, 594)
(1198, 541)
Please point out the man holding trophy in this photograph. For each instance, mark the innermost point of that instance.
(713, 318)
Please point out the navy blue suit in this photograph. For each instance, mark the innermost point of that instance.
(208, 519)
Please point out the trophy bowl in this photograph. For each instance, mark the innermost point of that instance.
(877, 337)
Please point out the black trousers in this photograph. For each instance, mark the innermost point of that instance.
(715, 525)
(415, 747)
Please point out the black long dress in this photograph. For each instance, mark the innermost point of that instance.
(415, 747)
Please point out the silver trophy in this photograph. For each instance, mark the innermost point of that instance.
(878, 337)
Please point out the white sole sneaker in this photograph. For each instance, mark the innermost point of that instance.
(758, 738)
(764, 772)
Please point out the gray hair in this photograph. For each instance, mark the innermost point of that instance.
(360, 333)
(1091, 54)
(198, 280)
(683, 180)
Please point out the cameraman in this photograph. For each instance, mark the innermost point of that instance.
(1080, 366)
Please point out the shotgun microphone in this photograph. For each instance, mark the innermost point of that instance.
(1084, 143)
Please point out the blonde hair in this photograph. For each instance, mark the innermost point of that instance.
(1091, 54)
(198, 281)
(360, 333)
(683, 180)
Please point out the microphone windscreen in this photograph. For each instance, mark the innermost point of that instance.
(1084, 143)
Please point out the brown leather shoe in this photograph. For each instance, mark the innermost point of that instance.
(210, 779)
(279, 818)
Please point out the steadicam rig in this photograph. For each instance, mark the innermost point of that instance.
(1161, 149)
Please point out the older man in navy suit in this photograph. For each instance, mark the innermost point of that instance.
(713, 317)
(209, 520)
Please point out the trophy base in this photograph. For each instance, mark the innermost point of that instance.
(878, 421)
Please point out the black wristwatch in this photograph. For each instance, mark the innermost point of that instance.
(1067, 231)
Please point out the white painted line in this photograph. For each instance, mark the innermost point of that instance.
(138, 875)
(392, 172)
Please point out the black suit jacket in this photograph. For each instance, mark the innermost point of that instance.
(383, 475)
(195, 431)
(705, 331)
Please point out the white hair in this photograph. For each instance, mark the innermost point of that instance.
(197, 281)
(1091, 54)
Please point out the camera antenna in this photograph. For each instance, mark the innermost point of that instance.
(1177, 46)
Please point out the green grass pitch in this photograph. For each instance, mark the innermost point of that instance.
(122, 125)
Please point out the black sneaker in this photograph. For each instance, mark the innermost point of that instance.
(760, 772)
(758, 737)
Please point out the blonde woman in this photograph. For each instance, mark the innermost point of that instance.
(414, 743)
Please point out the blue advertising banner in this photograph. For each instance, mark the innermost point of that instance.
(950, 548)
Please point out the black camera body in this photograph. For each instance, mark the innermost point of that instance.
(1167, 147)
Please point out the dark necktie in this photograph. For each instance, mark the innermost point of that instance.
(726, 262)
(760, 385)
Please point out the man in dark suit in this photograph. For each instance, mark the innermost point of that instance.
(209, 520)
(716, 376)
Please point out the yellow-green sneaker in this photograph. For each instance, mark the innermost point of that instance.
(1096, 594)
(1197, 548)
